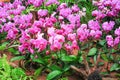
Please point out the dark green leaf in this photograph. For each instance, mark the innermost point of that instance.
(39, 61)
(54, 67)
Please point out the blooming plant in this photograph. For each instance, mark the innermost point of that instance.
(58, 36)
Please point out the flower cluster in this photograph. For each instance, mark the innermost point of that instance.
(109, 8)
(60, 29)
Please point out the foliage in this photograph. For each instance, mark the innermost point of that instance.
(53, 35)
(7, 72)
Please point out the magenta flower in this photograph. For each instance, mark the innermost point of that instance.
(34, 30)
(72, 36)
(74, 19)
(75, 8)
(8, 26)
(98, 34)
(24, 46)
(12, 33)
(51, 31)
(56, 46)
(42, 13)
(95, 13)
(82, 33)
(117, 6)
(110, 40)
(117, 41)
(117, 31)
(25, 37)
(50, 2)
(66, 28)
(94, 25)
(38, 24)
(59, 38)
(68, 47)
(108, 26)
(75, 45)
(37, 3)
(62, 6)
(40, 43)
(65, 12)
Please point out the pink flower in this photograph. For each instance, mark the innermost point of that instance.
(117, 6)
(24, 47)
(95, 13)
(42, 13)
(110, 40)
(117, 31)
(62, 6)
(56, 46)
(8, 26)
(108, 26)
(51, 31)
(40, 43)
(66, 28)
(36, 3)
(65, 12)
(34, 30)
(74, 19)
(68, 47)
(92, 33)
(72, 37)
(94, 25)
(12, 33)
(38, 24)
(75, 8)
(75, 45)
(24, 37)
(59, 38)
(98, 34)
(50, 2)
(60, 18)
(107, 3)
(83, 34)
(117, 40)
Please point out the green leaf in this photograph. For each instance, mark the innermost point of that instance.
(102, 42)
(17, 73)
(3, 46)
(38, 72)
(17, 58)
(14, 51)
(80, 59)
(104, 57)
(54, 67)
(53, 74)
(41, 61)
(69, 58)
(66, 67)
(114, 67)
(92, 51)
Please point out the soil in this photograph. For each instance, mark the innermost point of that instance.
(43, 75)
